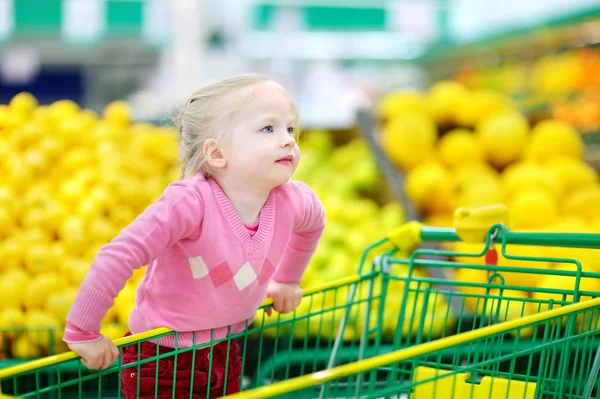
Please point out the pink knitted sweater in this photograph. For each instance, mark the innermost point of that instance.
(205, 269)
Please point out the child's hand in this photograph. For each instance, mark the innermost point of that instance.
(286, 297)
(96, 354)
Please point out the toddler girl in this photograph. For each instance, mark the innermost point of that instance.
(234, 230)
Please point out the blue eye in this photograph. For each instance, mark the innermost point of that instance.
(267, 129)
(291, 130)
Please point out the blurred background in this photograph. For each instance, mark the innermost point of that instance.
(410, 110)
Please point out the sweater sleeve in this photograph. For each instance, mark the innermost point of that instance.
(177, 214)
(304, 237)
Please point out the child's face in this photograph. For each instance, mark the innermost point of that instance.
(262, 146)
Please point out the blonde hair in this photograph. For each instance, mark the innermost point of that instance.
(208, 114)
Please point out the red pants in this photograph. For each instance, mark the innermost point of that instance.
(184, 372)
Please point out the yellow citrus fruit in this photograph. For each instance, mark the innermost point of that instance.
(445, 97)
(24, 348)
(124, 303)
(403, 103)
(565, 283)
(12, 253)
(478, 105)
(503, 135)
(522, 175)
(409, 140)
(41, 258)
(430, 186)
(118, 112)
(520, 277)
(62, 109)
(11, 318)
(59, 303)
(532, 208)
(551, 138)
(583, 202)
(573, 173)
(460, 146)
(75, 270)
(7, 222)
(24, 102)
(40, 288)
(12, 291)
(465, 277)
(43, 329)
(113, 330)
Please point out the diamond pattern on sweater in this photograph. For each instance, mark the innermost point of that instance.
(245, 276)
(198, 267)
(220, 274)
(266, 271)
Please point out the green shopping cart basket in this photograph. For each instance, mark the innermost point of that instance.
(402, 327)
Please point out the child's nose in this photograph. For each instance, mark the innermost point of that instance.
(288, 141)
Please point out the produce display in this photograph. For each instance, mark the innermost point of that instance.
(461, 147)
(564, 85)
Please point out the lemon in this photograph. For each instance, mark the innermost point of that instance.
(40, 258)
(402, 103)
(24, 348)
(43, 329)
(552, 138)
(40, 288)
(12, 253)
(476, 184)
(566, 283)
(24, 102)
(521, 278)
(71, 191)
(7, 222)
(468, 172)
(11, 318)
(113, 331)
(522, 175)
(12, 293)
(573, 173)
(75, 270)
(72, 232)
(32, 218)
(53, 215)
(62, 109)
(460, 146)
(124, 304)
(479, 105)
(503, 135)
(480, 191)
(431, 188)
(118, 112)
(470, 281)
(35, 234)
(51, 147)
(532, 208)
(583, 202)
(409, 140)
(445, 97)
(59, 303)
(121, 215)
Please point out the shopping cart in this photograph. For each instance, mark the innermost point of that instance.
(394, 331)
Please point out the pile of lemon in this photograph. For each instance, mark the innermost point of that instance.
(461, 147)
(491, 155)
(71, 179)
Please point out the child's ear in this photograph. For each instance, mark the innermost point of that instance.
(213, 154)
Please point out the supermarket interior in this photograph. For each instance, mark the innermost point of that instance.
(430, 131)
